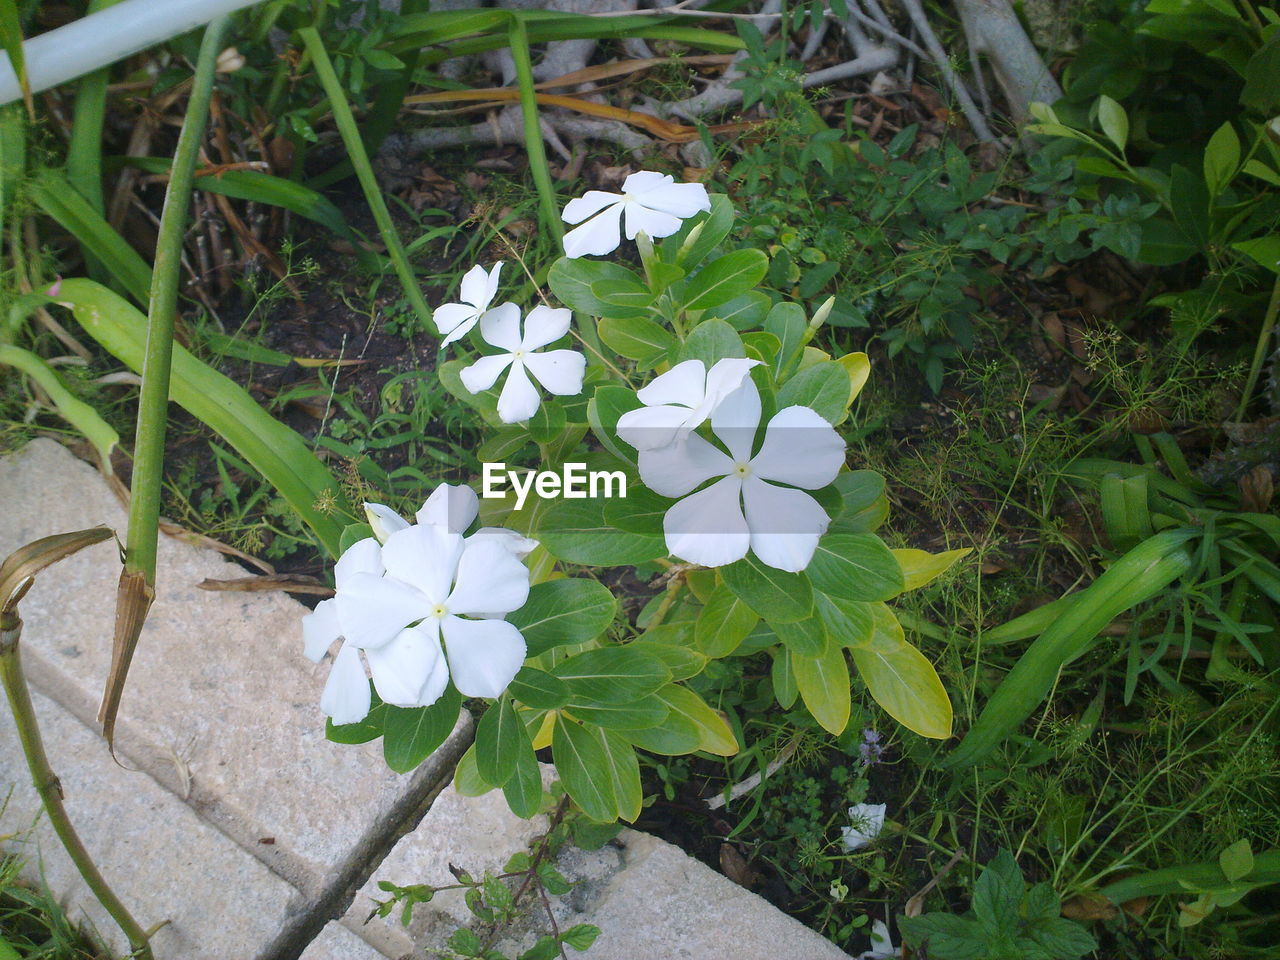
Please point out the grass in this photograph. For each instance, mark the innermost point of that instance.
(33, 924)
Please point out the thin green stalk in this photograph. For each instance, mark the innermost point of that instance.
(84, 152)
(153, 403)
(137, 581)
(1260, 351)
(350, 132)
(518, 38)
(50, 789)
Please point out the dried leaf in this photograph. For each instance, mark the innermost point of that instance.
(19, 569)
(134, 597)
(1256, 490)
(736, 868)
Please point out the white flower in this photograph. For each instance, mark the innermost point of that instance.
(652, 202)
(881, 945)
(868, 821)
(741, 511)
(478, 290)
(559, 371)
(451, 507)
(679, 400)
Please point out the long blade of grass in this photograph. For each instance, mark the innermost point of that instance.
(11, 41)
(1190, 876)
(1138, 575)
(137, 580)
(84, 151)
(350, 133)
(57, 199)
(72, 409)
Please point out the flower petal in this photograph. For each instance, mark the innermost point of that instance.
(372, 610)
(425, 557)
(403, 666)
(559, 371)
(484, 655)
(451, 506)
(500, 327)
(320, 628)
(598, 236)
(645, 180)
(677, 468)
(384, 520)
(346, 697)
(653, 222)
(363, 556)
(683, 384)
(545, 325)
(736, 419)
(520, 546)
(588, 205)
(474, 286)
(681, 200)
(650, 428)
(785, 524)
(519, 399)
(490, 580)
(868, 821)
(484, 373)
(455, 319)
(799, 448)
(708, 527)
(724, 377)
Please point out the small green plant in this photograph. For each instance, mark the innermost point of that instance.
(1007, 921)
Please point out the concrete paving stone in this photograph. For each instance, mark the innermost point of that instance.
(220, 705)
(161, 859)
(336, 942)
(650, 900)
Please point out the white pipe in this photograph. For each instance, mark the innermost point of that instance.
(102, 38)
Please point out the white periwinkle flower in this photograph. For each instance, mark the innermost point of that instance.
(479, 287)
(652, 202)
(558, 371)
(868, 821)
(881, 944)
(679, 400)
(746, 508)
(453, 508)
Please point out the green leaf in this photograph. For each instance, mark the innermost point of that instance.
(850, 623)
(784, 678)
(678, 734)
(580, 936)
(643, 714)
(712, 340)
(584, 769)
(485, 403)
(1263, 250)
(1236, 860)
(865, 505)
(637, 338)
(1114, 121)
(577, 531)
(823, 682)
(610, 402)
(787, 322)
(1189, 203)
(998, 892)
(70, 407)
(563, 612)
(1260, 74)
(686, 707)
(855, 566)
(823, 387)
(724, 278)
(574, 283)
(762, 346)
(781, 596)
(1221, 159)
(901, 680)
(282, 457)
(807, 636)
(743, 312)
(624, 772)
(524, 790)
(539, 689)
(641, 512)
(715, 227)
(499, 737)
(411, 734)
(723, 624)
(612, 675)
(362, 731)
(466, 778)
(681, 660)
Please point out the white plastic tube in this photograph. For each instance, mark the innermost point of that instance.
(102, 38)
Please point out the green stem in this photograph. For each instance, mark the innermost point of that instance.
(1260, 351)
(153, 402)
(350, 132)
(50, 789)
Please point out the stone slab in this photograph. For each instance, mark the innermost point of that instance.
(220, 705)
(336, 942)
(649, 899)
(161, 859)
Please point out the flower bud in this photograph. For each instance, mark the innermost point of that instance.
(689, 241)
(820, 315)
(384, 520)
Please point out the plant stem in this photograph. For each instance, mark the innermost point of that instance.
(1260, 351)
(351, 139)
(50, 789)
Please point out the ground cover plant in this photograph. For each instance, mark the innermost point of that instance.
(940, 606)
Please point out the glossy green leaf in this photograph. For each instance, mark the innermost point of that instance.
(411, 734)
(784, 597)
(784, 679)
(524, 790)
(585, 770)
(807, 636)
(823, 387)
(623, 768)
(788, 323)
(70, 407)
(645, 713)
(712, 340)
(855, 566)
(499, 737)
(537, 688)
(724, 278)
(823, 682)
(902, 680)
(637, 338)
(850, 623)
(562, 612)
(576, 531)
(724, 623)
(370, 728)
(612, 675)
